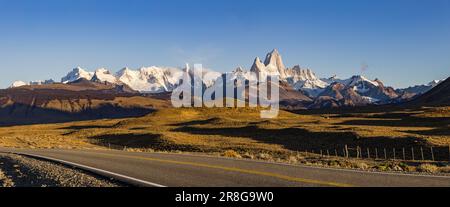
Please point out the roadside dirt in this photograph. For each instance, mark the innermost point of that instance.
(20, 171)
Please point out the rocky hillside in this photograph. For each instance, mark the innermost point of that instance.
(79, 100)
(438, 96)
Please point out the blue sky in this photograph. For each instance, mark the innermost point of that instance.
(403, 42)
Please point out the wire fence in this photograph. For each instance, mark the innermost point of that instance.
(417, 153)
(386, 153)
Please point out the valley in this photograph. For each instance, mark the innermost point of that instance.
(241, 133)
(353, 123)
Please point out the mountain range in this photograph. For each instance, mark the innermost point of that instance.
(299, 83)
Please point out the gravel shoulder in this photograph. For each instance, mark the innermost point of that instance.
(20, 171)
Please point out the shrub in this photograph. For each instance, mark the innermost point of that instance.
(445, 169)
(397, 168)
(292, 159)
(429, 168)
(5, 181)
(300, 157)
(248, 156)
(333, 163)
(231, 153)
(264, 156)
(411, 169)
(383, 167)
(361, 165)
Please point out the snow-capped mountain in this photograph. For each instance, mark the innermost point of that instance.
(437, 96)
(360, 83)
(210, 77)
(326, 92)
(435, 82)
(337, 94)
(300, 79)
(150, 79)
(42, 82)
(146, 79)
(418, 89)
(355, 91)
(76, 74)
(16, 84)
(239, 73)
(103, 75)
(331, 79)
(305, 80)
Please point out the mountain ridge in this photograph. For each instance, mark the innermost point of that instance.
(354, 91)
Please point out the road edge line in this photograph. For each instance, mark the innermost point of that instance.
(104, 173)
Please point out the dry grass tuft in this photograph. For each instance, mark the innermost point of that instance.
(445, 169)
(248, 156)
(5, 181)
(264, 156)
(428, 168)
(293, 159)
(231, 153)
(360, 165)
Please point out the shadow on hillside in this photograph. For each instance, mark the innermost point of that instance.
(197, 122)
(21, 114)
(299, 139)
(442, 131)
(398, 121)
(401, 119)
(142, 141)
(129, 140)
(351, 110)
(88, 127)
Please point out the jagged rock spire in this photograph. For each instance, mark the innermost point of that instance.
(274, 58)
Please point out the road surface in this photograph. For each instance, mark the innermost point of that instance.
(181, 170)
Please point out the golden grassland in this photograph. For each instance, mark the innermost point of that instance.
(240, 132)
(240, 129)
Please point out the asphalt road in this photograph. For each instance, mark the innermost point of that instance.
(173, 170)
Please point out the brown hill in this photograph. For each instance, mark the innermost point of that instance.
(291, 98)
(81, 100)
(438, 96)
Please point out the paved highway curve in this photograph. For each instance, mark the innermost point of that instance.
(181, 170)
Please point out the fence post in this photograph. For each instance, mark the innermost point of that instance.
(368, 153)
(321, 153)
(357, 152)
(376, 153)
(385, 154)
(432, 153)
(421, 152)
(328, 153)
(361, 153)
(412, 153)
(335, 152)
(404, 154)
(346, 151)
(393, 149)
